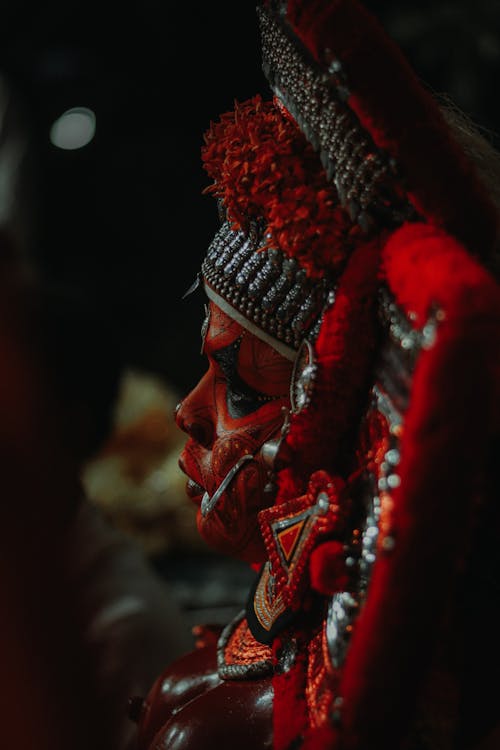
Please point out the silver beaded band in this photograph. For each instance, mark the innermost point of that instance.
(266, 292)
(363, 174)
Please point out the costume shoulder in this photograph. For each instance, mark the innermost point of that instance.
(431, 427)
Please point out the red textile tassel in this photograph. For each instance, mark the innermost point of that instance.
(454, 411)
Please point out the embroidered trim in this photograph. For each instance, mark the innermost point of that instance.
(267, 607)
(239, 655)
(291, 530)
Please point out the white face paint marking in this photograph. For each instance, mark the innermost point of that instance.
(208, 503)
(204, 327)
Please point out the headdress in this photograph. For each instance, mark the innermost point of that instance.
(353, 239)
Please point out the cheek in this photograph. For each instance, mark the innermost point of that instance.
(228, 450)
(232, 527)
(232, 444)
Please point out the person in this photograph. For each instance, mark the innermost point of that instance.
(343, 438)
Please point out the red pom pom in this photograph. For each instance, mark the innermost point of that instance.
(327, 568)
(322, 738)
(263, 167)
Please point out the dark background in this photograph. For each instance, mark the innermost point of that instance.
(122, 223)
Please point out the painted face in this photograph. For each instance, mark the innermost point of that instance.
(235, 408)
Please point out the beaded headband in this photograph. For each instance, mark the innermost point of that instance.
(265, 291)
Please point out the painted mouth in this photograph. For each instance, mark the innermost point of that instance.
(194, 491)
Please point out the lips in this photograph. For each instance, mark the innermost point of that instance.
(193, 489)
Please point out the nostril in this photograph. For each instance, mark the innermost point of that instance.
(202, 433)
(200, 429)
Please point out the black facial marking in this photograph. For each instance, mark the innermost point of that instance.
(241, 398)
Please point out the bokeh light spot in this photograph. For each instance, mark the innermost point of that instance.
(73, 129)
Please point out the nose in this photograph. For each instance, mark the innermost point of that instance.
(195, 416)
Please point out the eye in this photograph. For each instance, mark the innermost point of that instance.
(241, 398)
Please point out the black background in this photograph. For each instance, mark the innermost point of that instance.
(122, 222)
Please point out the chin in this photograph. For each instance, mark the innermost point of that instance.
(245, 544)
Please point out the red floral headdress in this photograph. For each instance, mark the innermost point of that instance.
(264, 168)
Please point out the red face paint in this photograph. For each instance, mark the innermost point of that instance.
(235, 408)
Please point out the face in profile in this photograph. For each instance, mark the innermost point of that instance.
(235, 408)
